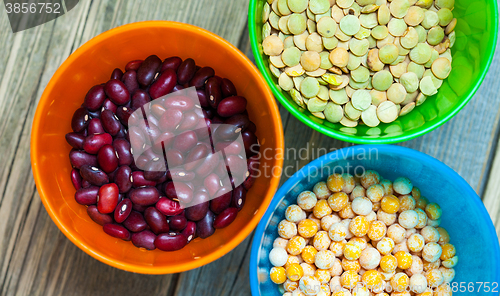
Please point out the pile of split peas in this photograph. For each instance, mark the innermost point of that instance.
(363, 235)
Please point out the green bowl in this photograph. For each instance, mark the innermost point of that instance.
(476, 37)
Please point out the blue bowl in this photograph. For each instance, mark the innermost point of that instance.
(464, 215)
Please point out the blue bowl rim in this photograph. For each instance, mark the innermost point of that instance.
(349, 152)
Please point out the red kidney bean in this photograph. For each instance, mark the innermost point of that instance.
(80, 120)
(212, 184)
(170, 241)
(123, 178)
(145, 196)
(190, 231)
(239, 197)
(122, 148)
(228, 88)
(204, 227)
(138, 180)
(164, 84)
(108, 105)
(208, 164)
(117, 92)
(155, 170)
(239, 120)
(182, 103)
(157, 109)
(94, 98)
(110, 122)
(87, 196)
(168, 207)
(76, 179)
(75, 140)
(231, 106)
(171, 119)
(201, 76)
(237, 165)
(139, 98)
(199, 206)
(195, 156)
(95, 127)
(251, 143)
(202, 96)
(177, 223)
(252, 127)
(183, 192)
(222, 202)
(123, 210)
(248, 183)
(97, 217)
(213, 92)
(226, 132)
(135, 222)
(93, 143)
(107, 198)
(148, 69)
(94, 175)
(225, 218)
(144, 239)
(117, 74)
(171, 63)
(185, 141)
(123, 113)
(117, 231)
(133, 65)
(130, 81)
(137, 136)
(186, 71)
(189, 122)
(79, 158)
(156, 220)
(106, 158)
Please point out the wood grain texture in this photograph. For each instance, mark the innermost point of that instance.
(37, 259)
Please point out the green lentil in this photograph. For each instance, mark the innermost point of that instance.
(291, 56)
(421, 53)
(382, 80)
(410, 81)
(333, 112)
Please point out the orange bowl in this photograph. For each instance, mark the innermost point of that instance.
(92, 64)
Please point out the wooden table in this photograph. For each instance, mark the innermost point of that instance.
(37, 259)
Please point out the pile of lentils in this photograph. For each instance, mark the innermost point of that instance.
(368, 60)
(366, 235)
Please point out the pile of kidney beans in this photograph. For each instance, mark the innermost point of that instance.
(141, 206)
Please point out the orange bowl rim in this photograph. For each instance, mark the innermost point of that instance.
(217, 253)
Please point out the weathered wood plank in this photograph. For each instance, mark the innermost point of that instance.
(35, 257)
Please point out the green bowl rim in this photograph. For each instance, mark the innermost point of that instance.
(290, 106)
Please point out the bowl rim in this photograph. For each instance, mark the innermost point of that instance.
(42, 109)
(293, 109)
(345, 153)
